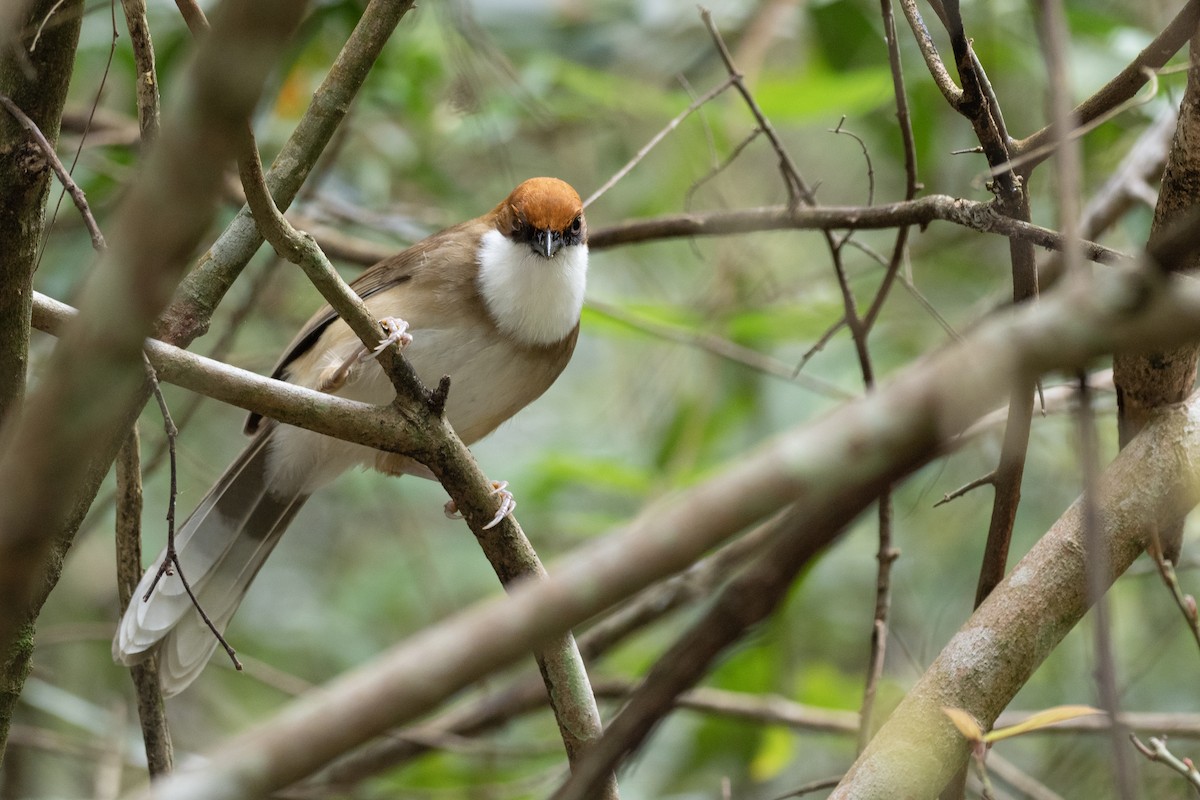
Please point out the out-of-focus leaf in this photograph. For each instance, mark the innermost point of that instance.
(845, 36)
(824, 685)
(819, 94)
(776, 750)
(598, 474)
(593, 88)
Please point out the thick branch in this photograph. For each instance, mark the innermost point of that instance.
(1153, 481)
(24, 186)
(1148, 381)
(25, 174)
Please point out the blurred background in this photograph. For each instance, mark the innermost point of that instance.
(469, 99)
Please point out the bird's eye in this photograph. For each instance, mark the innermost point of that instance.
(576, 224)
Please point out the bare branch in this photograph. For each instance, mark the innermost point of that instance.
(63, 176)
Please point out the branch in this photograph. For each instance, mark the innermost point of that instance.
(527, 694)
(1123, 86)
(967, 213)
(349, 420)
(155, 733)
(970, 214)
(1148, 381)
(933, 59)
(147, 73)
(1152, 481)
(64, 177)
(204, 287)
(1158, 751)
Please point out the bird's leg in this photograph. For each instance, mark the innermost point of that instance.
(334, 378)
(508, 504)
(397, 333)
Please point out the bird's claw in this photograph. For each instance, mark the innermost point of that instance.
(397, 333)
(335, 377)
(508, 504)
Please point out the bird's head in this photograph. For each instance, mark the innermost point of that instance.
(544, 213)
(533, 262)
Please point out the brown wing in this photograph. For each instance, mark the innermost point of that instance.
(389, 272)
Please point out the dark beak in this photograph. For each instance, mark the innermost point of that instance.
(547, 243)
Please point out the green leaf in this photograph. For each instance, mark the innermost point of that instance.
(821, 94)
(776, 750)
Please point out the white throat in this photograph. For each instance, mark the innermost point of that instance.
(534, 299)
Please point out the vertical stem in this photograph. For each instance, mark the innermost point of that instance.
(39, 89)
(151, 712)
(1098, 572)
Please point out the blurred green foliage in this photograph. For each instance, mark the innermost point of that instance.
(466, 101)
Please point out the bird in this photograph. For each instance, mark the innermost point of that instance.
(493, 302)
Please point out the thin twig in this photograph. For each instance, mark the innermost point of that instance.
(818, 345)
(926, 304)
(1157, 751)
(83, 137)
(656, 138)
(797, 189)
(63, 176)
(1097, 570)
(1185, 602)
(723, 348)
(985, 480)
(866, 157)
(42, 25)
(156, 735)
(170, 562)
(721, 167)
(810, 787)
(886, 553)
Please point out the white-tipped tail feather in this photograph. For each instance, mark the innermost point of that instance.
(221, 547)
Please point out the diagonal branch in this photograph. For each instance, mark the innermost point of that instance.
(1123, 86)
(1152, 481)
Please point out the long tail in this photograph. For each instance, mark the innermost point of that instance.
(221, 547)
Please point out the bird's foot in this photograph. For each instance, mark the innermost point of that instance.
(508, 504)
(397, 333)
(335, 377)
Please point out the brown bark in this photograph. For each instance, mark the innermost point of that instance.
(38, 86)
(1148, 382)
(37, 83)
